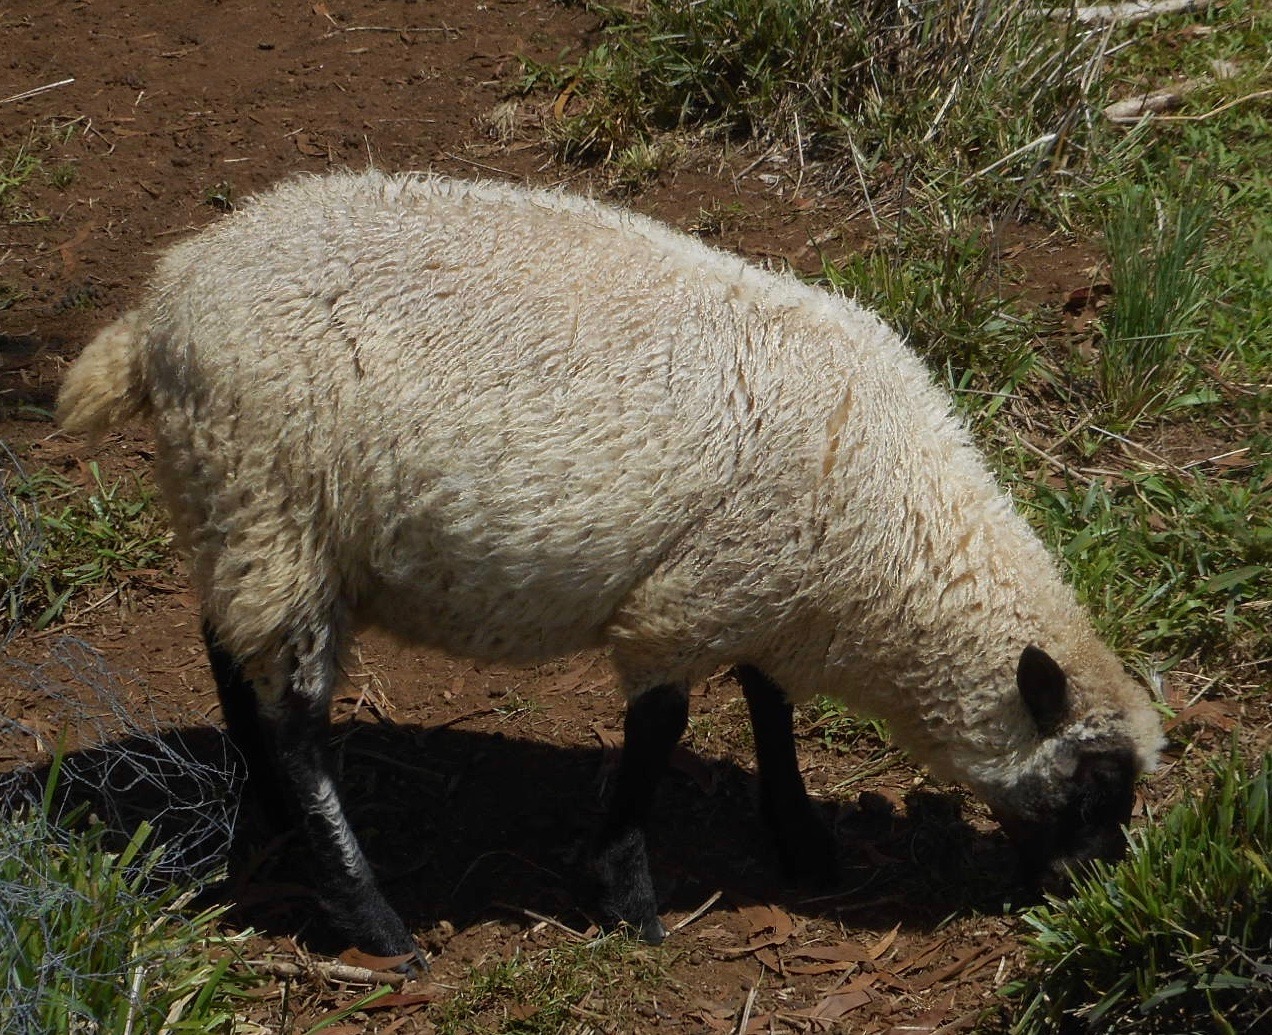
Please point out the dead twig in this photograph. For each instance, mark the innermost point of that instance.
(1126, 13)
(1132, 109)
(331, 971)
(750, 1005)
(697, 913)
(1043, 141)
(476, 713)
(1137, 446)
(1243, 451)
(530, 914)
(1216, 111)
(36, 91)
(1055, 462)
(506, 174)
(449, 31)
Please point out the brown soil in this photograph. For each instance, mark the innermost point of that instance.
(475, 787)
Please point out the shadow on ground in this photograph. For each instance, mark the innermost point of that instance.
(468, 827)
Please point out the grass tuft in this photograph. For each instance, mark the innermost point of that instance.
(91, 942)
(16, 168)
(1172, 563)
(952, 90)
(82, 540)
(1178, 938)
(1159, 291)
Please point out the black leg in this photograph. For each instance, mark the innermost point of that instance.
(283, 733)
(805, 847)
(655, 720)
(238, 709)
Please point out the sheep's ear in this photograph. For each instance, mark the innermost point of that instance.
(1042, 687)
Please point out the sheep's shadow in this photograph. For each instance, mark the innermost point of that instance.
(467, 827)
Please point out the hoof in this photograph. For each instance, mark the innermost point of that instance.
(414, 965)
(373, 926)
(621, 869)
(650, 931)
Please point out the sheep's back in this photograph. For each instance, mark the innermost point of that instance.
(494, 420)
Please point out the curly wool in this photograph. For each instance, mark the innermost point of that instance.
(512, 423)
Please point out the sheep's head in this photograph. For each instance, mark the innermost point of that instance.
(1072, 802)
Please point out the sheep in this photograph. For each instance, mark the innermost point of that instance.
(513, 423)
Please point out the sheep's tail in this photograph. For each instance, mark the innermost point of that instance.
(106, 385)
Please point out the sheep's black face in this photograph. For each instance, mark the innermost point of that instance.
(1073, 806)
(1058, 824)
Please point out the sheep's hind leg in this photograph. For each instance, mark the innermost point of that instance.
(805, 846)
(283, 736)
(655, 720)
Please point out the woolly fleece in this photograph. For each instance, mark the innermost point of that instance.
(513, 423)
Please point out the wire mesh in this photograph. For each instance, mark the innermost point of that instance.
(119, 767)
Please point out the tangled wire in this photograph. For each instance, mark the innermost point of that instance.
(117, 770)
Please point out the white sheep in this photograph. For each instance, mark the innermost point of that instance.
(512, 423)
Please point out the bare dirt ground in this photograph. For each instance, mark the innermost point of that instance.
(474, 787)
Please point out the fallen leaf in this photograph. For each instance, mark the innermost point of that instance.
(1086, 297)
(563, 98)
(401, 1000)
(764, 918)
(884, 943)
(929, 1022)
(771, 960)
(67, 248)
(830, 959)
(964, 966)
(924, 958)
(1216, 714)
(844, 952)
(839, 1003)
(309, 145)
(813, 969)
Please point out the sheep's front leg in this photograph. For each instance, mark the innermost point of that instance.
(283, 734)
(655, 720)
(805, 847)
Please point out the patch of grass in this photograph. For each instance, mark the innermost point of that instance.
(719, 217)
(944, 296)
(1178, 938)
(642, 161)
(90, 942)
(549, 991)
(1172, 563)
(83, 540)
(62, 175)
(1221, 138)
(512, 707)
(952, 91)
(17, 166)
(1159, 291)
(840, 729)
